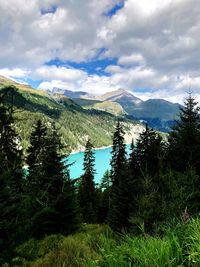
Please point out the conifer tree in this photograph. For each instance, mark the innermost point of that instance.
(35, 153)
(135, 181)
(11, 177)
(132, 161)
(87, 192)
(149, 152)
(55, 208)
(183, 153)
(105, 191)
(184, 140)
(147, 185)
(120, 207)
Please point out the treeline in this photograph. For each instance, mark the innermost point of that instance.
(159, 180)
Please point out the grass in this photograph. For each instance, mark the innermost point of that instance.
(111, 107)
(175, 244)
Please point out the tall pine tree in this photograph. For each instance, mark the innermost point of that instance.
(183, 153)
(11, 177)
(184, 139)
(149, 152)
(149, 186)
(87, 192)
(120, 207)
(55, 204)
(35, 153)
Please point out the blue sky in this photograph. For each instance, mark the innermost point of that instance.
(147, 47)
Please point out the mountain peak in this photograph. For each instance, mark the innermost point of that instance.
(120, 94)
(121, 90)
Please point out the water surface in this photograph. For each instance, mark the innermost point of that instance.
(102, 162)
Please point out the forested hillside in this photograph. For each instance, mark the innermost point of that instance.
(75, 123)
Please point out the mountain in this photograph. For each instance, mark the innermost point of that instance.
(111, 107)
(22, 87)
(152, 108)
(68, 93)
(120, 96)
(158, 113)
(75, 124)
(71, 94)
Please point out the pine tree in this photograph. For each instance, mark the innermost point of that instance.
(11, 177)
(135, 182)
(104, 192)
(120, 207)
(55, 205)
(87, 192)
(184, 140)
(149, 206)
(149, 152)
(183, 154)
(35, 153)
(148, 187)
(132, 161)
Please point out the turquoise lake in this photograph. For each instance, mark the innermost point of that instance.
(102, 162)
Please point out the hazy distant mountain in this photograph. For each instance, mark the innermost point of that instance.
(159, 113)
(152, 108)
(72, 94)
(120, 96)
(68, 93)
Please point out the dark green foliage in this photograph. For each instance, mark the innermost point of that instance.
(149, 205)
(184, 140)
(149, 152)
(11, 178)
(53, 202)
(183, 154)
(104, 197)
(36, 152)
(120, 205)
(87, 193)
(135, 183)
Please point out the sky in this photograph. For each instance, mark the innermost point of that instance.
(149, 47)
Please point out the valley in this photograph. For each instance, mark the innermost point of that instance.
(75, 123)
(158, 113)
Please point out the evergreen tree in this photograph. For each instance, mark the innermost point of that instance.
(120, 207)
(135, 182)
(132, 161)
(105, 191)
(149, 152)
(184, 140)
(35, 153)
(11, 178)
(87, 192)
(55, 205)
(149, 212)
(147, 186)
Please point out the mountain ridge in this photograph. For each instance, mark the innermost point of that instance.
(75, 124)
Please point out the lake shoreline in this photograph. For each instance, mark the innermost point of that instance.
(95, 148)
(83, 149)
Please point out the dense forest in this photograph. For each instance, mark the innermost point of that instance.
(143, 213)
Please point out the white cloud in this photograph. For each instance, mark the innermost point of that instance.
(74, 80)
(14, 73)
(59, 73)
(154, 42)
(131, 59)
(31, 38)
